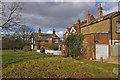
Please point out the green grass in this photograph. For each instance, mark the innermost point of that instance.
(39, 65)
(11, 57)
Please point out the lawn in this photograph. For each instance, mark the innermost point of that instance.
(38, 65)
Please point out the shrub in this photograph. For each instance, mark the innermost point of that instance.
(52, 46)
(74, 44)
(26, 48)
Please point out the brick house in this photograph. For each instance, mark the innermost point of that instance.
(100, 33)
(39, 40)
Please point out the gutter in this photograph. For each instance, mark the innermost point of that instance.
(111, 29)
(100, 20)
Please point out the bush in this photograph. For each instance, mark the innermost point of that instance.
(26, 48)
(52, 46)
(74, 44)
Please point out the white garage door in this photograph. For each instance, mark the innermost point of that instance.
(101, 51)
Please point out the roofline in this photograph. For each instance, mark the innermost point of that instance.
(97, 33)
(99, 21)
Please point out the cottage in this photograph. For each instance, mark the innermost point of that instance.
(100, 33)
(39, 40)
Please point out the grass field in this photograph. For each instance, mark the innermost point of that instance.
(38, 65)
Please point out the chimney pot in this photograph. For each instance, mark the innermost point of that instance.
(39, 32)
(54, 32)
(100, 14)
(88, 11)
(99, 5)
(78, 26)
(88, 17)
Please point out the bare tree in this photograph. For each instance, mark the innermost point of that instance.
(10, 15)
(24, 32)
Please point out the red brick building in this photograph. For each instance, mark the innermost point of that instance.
(39, 40)
(98, 33)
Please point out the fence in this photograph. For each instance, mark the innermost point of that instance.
(114, 50)
(38, 50)
(53, 51)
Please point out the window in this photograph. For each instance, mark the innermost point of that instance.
(63, 47)
(56, 40)
(118, 27)
(42, 41)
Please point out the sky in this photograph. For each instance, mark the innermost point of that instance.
(59, 14)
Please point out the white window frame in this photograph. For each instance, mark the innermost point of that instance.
(117, 27)
(56, 40)
(63, 47)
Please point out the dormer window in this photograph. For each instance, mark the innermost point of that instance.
(117, 27)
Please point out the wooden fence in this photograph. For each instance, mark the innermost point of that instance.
(114, 50)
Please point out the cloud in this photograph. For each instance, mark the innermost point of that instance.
(107, 0)
(49, 15)
(59, 34)
(109, 7)
(110, 11)
(54, 15)
(49, 32)
(48, 1)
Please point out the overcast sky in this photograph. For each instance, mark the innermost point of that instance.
(59, 15)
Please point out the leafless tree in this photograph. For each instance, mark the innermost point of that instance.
(24, 32)
(10, 15)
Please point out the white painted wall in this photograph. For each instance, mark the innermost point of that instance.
(115, 50)
(31, 46)
(114, 42)
(72, 29)
(38, 50)
(53, 51)
(32, 40)
(66, 31)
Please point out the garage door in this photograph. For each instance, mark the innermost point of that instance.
(101, 51)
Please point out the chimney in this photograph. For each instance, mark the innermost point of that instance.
(54, 32)
(78, 26)
(39, 32)
(88, 17)
(100, 14)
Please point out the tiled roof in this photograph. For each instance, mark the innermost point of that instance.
(92, 18)
(43, 37)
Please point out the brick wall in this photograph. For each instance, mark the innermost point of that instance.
(49, 40)
(102, 38)
(103, 26)
(64, 52)
(45, 43)
(93, 39)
